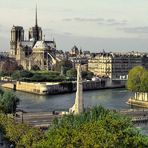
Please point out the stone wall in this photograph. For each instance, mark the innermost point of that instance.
(141, 96)
(53, 88)
(139, 99)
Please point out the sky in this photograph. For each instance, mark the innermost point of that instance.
(95, 25)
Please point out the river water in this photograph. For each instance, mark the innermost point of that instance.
(109, 98)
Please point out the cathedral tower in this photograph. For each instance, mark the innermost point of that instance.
(17, 35)
(35, 32)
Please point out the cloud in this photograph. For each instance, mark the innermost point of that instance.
(67, 33)
(67, 19)
(143, 30)
(88, 19)
(99, 21)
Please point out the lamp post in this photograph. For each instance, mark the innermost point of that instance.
(22, 117)
(47, 62)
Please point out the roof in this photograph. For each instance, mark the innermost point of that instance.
(74, 48)
(14, 28)
(41, 45)
(50, 44)
(27, 43)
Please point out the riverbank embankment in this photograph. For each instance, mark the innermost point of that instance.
(44, 88)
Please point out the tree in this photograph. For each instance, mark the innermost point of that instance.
(20, 74)
(35, 67)
(96, 128)
(87, 74)
(72, 73)
(26, 74)
(134, 78)
(9, 66)
(64, 65)
(20, 134)
(138, 79)
(144, 82)
(16, 75)
(8, 102)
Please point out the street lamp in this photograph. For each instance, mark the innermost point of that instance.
(22, 117)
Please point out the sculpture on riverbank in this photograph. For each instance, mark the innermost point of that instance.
(78, 107)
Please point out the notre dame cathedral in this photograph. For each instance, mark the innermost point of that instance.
(34, 52)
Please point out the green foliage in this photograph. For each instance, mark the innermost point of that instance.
(72, 73)
(37, 76)
(21, 74)
(144, 82)
(16, 75)
(66, 64)
(96, 128)
(8, 102)
(87, 75)
(20, 134)
(68, 85)
(51, 76)
(5, 73)
(138, 79)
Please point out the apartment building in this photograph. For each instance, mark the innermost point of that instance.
(116, 65)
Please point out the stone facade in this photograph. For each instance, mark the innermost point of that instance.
(115, 65)
(44, 88)
(32, 52)
(17, 35)
(140, 99)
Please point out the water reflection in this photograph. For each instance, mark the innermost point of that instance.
(110, 98)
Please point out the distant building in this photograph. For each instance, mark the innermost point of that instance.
(17, 35)
(115, 65)
(35, 33)
(74, 51)
(145, 61)
(77, 56)
(32, 52)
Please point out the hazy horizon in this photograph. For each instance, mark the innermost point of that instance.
(112, 25)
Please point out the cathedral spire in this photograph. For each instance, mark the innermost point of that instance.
(36, 16)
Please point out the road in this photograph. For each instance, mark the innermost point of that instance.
(38, 119)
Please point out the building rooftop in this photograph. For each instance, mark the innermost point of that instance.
(27, 43)
(41, 45)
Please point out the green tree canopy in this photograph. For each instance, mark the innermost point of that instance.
(138, 79)
(64, 65)
(37, 76)
(72, 73)
(87, 74)
(20, 74)
(8, 102)
(20, 134)
(144, 81)
(96, 128)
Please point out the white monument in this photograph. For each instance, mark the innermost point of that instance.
(78, 107)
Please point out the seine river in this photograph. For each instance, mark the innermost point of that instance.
(109, 98)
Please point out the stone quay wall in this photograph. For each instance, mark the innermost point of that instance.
(53, 88)
(140, 99)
